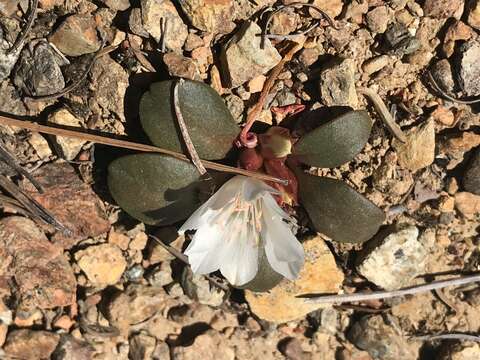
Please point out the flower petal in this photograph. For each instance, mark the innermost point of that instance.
(239, 261)
(239, 256)
(284, 252)
(203, 250)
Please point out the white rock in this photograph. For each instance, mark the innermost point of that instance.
(70, 147)
(40, 144)
(396, 261)
(177, 31)
(243, 59)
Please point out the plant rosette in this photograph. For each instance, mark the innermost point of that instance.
(242, 229)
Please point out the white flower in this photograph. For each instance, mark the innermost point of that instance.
(234, 224)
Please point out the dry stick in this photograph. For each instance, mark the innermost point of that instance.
(379, 295)
(183, 129)
(21, 38)
(252, 116)
(132, 146)
(13, 163)
(282, 7)
(446, 95)
(139, 55)
(182, 257)
(384, 113)
(453, 336)
(75, 84)
(32, 205)
(163, 30)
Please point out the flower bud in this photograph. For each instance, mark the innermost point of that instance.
(276, 143)
(250, 159)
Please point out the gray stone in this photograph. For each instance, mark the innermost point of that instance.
(76, 36)
(38, 70)
(117, 5)
(337, 84)
(474, 14)
(142, 347)
(177, 31)
(375, 64)
(161, 275)
(10, 101)
(8, 7)
(399, 41)
(243, 59)
(285, 97)
(394, 261)
(418, 151)
(443, 9)
(109, 83)
(471, 179)
(135, 23)
(70, 348)
(7, 59)
(236, 106)
(69, 147)
(30, 344)
(380, 340)
(199, 289)
(459, 351)
(469, 68)
(442, 73)
(378, 18)
(181, 66)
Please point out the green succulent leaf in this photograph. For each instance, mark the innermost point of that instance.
(336, 142)
(153, 188)
(209, 122)
(337, 210)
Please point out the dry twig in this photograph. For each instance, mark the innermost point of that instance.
(31, 205)
(103, 51)
(252, 116)
(139, 55)
(23, 35)
(132, 146)
(13, 163)
(442, 92)
(264, 34)
(453, 336)
(384, 113)
(183, 258)
(380, 295)
(183, 129)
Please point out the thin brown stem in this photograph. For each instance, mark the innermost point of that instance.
(264, 33)
(252, 116)
(380, 295)
(132, 146)
(183, 129)
(23, 35)
(183, 258)
(453, 336)
(384, 113)
(75, 84)
(442, 92)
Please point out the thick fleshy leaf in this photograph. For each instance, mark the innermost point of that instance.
(153, 188)
(209, 122)
(337, 210)
(336, 142)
